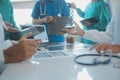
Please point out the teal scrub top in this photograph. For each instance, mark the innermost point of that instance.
(6, 11)
(100, 11)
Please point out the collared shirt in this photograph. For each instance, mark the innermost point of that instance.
(111, 35)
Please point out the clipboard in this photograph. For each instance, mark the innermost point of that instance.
(58, 23)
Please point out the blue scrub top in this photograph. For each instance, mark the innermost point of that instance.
(52, 9)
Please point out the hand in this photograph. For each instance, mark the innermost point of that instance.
(87, 24)
(106, 46)
(10, 28)
(75, 31)
(22, 50)
(48, 19)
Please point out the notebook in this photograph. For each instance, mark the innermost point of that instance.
(58, 23)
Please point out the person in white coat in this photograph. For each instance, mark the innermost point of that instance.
(11, 52)
(110, 37)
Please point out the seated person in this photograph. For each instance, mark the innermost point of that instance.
(12, 52)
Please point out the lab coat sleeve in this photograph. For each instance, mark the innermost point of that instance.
(1, 56)
(5, 45)
(1, 41)
(106, 37)
(97, 36)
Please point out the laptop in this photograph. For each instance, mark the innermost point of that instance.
(38, 32)
(58, 23)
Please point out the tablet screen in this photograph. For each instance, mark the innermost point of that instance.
(38, 32)
(57, 25)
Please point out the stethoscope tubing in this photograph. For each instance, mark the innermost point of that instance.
(44, 3)
(92, 64)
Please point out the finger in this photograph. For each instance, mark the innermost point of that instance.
(93, 47)
(103, 47)
(31, 42)
(87, 23)
(32, 50)
(8, 24)
(100, 48)
(38, 41)
(64, 30)
(97, 47)
(26, 36)
(13, 30)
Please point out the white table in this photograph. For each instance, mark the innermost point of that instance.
(60, 68)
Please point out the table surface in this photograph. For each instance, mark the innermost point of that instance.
(61, 67)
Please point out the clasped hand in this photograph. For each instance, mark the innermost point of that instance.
(21, 50)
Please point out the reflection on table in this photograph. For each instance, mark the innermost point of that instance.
(58, 64)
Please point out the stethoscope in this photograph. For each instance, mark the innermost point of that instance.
(96, 60)
(43, 13)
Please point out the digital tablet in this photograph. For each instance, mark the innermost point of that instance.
(91, 20)
(38, 32)
(58, 23)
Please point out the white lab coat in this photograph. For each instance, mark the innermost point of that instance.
(3, 44)
(112, 33)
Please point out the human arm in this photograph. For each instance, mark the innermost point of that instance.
(105, 46)
(22, 50)
(10, 28)
(36, 17)
(47, 19)
(102, 16)
(94, 35)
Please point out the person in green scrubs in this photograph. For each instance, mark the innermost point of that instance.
(97, 9)
(6, 11)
